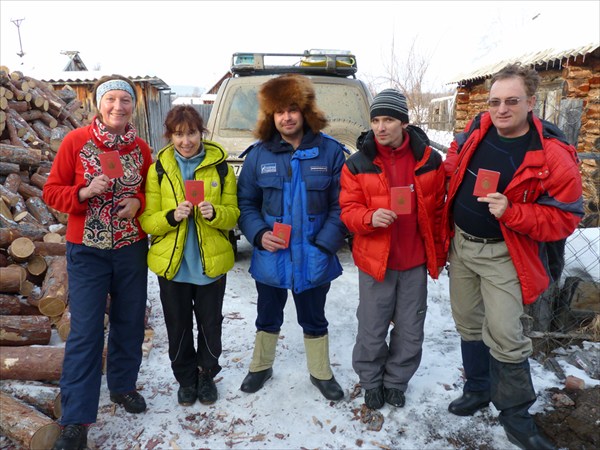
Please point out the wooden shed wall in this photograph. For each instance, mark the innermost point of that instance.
(152, 106)
(568, 96)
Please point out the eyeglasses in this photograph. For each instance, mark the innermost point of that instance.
(511, 101)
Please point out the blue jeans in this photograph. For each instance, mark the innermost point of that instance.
(93, 275)
(310, 309)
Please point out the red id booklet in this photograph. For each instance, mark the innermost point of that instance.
(486, 182)
(401, 200)
(111, 164)
(282, 231)
(194, 191)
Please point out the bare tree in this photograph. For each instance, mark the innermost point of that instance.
(408, 76)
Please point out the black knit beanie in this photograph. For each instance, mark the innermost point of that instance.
(392, 103)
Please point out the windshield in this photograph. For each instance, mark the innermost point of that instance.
(339, 101)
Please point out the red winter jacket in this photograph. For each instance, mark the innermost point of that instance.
(365, 189)
(545, 199)
(92, 222)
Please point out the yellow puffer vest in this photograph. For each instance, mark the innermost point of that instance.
(168, 239)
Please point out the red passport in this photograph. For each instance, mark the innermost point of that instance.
(194, 191)
(283, 231)
(401, 200)
(111, 164)
(486, 182)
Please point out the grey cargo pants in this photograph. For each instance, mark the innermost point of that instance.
(400, 298)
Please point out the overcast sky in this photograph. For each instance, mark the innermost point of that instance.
(191, 42)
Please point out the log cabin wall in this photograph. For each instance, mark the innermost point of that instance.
(569, 87)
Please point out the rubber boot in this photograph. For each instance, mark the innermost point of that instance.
(476, 392)
(512, 394)
(261, 370)
(317, 360)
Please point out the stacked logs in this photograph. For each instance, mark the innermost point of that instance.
(33, 278)
(35, 116)
(33, 299)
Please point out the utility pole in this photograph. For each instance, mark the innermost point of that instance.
(17, 22)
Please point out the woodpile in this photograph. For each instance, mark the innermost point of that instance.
(33, 277)
(33, 116)
(25, 424)
(34, 119)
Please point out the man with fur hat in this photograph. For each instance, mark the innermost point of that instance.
(392, 199)
(291, 177)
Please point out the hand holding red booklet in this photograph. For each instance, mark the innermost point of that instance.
(401, 200)
(194, 191)
(486, 182)
(111, 164)
(283, 231)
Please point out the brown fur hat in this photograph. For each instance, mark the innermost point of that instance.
(281, 92)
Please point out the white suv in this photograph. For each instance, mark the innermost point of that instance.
(344, 99)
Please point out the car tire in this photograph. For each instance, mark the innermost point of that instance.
(344, 131)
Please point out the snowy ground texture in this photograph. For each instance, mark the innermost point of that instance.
(289, 412)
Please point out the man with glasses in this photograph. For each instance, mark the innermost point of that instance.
(514, 188)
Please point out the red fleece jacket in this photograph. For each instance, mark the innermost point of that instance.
(93, 222)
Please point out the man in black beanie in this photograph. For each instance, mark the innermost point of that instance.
(392, 200)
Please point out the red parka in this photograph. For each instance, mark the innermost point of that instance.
(545, 199)
(365, 189)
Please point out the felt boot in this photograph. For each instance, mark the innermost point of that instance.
(261, 370)
(317, 359)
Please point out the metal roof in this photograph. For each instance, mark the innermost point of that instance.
(90, 77)
(550, 58)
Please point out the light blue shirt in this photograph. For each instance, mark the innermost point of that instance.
(191, 269)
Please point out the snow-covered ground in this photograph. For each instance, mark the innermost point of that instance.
(289, 412)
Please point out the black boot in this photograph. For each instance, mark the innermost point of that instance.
(330, 389)
(207, 390)
(476, 392)
(522, 431)
(72, 437)
(256, 380)
(512, 394)
(186, 396)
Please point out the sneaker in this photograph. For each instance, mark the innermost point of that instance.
(72, 437)
(133, 402)
(207, 391)
(186, 396)
(394, 397)
(374, 398)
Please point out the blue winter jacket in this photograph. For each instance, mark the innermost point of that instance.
(300, 188)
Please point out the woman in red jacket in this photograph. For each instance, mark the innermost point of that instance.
(392, 200)
(98, 179)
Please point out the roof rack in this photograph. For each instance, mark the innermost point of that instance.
(316, 62)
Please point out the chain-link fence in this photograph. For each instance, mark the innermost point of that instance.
(566, 317)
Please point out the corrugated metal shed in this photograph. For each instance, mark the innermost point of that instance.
(89, 76)
(550, 58)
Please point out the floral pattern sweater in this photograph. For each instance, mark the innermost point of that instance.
(94, 222)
